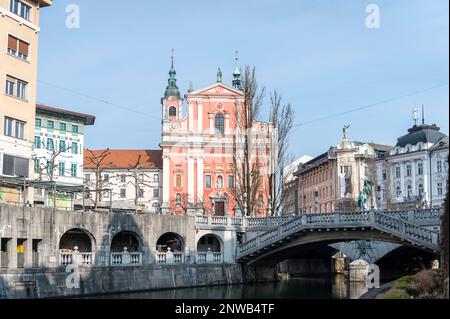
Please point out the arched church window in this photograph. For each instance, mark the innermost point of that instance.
(172, 111)
(219, 182)
(178, 199)
(219, 123)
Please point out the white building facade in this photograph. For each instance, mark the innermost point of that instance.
(58, 148)
(125, 179)
(415, 173)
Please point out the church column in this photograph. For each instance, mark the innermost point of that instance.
(200, 116)
(200, 179)
(166, 180)
(227, 123)
(191, 117)
(211, 123)
(191, 177)
(426, 179)
(413, 176)
(402, 179)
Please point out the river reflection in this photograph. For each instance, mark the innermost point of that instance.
(335, 287)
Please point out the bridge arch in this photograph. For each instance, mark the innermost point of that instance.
(126, 239)
(315, 243)
(210, 242)
(174, 241)
(77, 237)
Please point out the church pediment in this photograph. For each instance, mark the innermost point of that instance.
(218, 89)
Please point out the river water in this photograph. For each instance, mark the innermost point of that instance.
(332, 287)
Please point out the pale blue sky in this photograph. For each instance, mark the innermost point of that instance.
(319, 54)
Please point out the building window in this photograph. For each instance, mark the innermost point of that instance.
(178, 199)
(219, 182)
(439, 166)
(156, 178)
(62, 146)
(420, 169)
(62, 169)
(74, 129)
(409, 191)
(37, 166)
(397, 172)
(439, 189)
(123, 193)
(384, 175)
(74, 148)
(156, 192)
(398, 192)
(62, 126)
(38, 122)
(87, 178)
(50, 125)
(14, 128)
(21, 9)
(123, 178)
(106, 178)
(219, 123)
(50, 145)
(141, 193)
(230, 181)
(208, 183)
(420, 190)
(18, 48)
(37, 142)
(178, 180)
(73, 170)
(141, 177)
(408, 170)
(172, 111)
(49, 168)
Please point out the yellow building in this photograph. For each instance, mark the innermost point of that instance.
(19, 38)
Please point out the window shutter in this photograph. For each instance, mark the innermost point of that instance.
(23, 47)
(12, 43)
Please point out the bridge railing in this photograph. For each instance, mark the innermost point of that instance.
(391, 223)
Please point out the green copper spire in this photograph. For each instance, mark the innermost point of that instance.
(237, 83)
(172, 88)
(219, 76)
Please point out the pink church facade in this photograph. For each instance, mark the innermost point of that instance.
(201, 151)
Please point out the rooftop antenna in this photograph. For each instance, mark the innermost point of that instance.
(415, 116)
(423, 115)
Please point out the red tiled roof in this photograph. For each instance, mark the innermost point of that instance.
(123, 159)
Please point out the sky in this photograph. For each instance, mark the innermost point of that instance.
(319, 54)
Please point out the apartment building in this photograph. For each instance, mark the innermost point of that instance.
(19, 39)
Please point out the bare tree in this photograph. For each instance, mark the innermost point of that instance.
(95, 163)
(281, 117)
(50, 161)
(246, 168)
(138, 176)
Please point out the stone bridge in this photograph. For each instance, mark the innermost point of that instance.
(297, 236)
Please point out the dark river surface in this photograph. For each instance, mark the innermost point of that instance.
(332, 287)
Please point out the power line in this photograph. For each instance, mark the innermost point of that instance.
(99, 100)
(370, 105)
